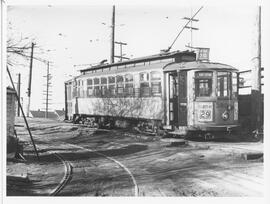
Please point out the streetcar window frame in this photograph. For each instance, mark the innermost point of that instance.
(234, 85)
(74, 84)
(224, 84)
(203, 78)
(155, 77)
(81, 89)
(111, 86)
(89, 87)
(96, 90)
(104, 86)
(120, 85)
(129, 85)
(144, 84)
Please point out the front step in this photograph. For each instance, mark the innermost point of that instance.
(179, 132)
(173, 142)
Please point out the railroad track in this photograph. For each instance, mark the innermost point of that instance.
(67, 176)
(136, 188)
(68, 170)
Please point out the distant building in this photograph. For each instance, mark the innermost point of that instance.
(11, 109)
(41, 114)
(55, 115)
(60, 114)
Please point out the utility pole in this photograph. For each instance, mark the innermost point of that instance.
(30, 79)
(256, 97)
(191, 20)
(27, 126)
(19, 93)
(66, 105)
(121, 56)
(183, 28)
(112, 37)
(47, 92)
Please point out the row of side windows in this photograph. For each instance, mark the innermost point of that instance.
(119, 86)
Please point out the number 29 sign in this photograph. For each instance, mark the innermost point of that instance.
(205, 111)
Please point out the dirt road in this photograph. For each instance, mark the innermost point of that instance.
(121, 163)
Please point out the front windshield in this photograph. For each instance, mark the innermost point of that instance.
(203, 84)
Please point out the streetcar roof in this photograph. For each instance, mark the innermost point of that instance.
(198, 65)
(159, 56)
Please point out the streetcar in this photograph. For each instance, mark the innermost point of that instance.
(173, 91)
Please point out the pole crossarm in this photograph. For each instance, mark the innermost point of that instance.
(193, 28)
(121, 43)
(191, 19)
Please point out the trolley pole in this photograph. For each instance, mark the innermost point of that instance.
(19, 93)
(112, 37)
(256, 97)
(30, 80)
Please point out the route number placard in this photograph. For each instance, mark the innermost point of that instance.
(205, 111)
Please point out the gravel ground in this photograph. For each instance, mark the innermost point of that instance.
(104, 162)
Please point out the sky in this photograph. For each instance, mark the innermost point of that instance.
(80, 34)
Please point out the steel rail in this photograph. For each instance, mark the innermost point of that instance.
(136, 188)
(67, 177)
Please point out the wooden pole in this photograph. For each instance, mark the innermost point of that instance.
(112, 37)
(47, 90)
(19, 93)
(66, 105)
(31, 137)
(30, 80)
(256, 98)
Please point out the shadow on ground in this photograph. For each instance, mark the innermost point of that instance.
(73, 154)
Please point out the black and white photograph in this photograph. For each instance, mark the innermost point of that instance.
(114, 99)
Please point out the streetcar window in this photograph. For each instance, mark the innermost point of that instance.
(89, 87)
(81, 89)
(103, 80)
(128, 78)
(120, 85)
(155, 83)
(97, 91)
(111, 80)
(234, 84)
(96, 87)
(103, 86)
(69, 93)
(96, 81)
(119, 79)
(144, 76)
(144, 84)
(74, 89)
(89, 82)
(155, 76)
(224, 84)
(111, 86)
(203, 84)
(129, 84)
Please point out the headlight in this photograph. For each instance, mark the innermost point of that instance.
(225, 115)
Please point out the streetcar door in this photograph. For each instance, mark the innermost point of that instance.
(173, 98)
(183, 98)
